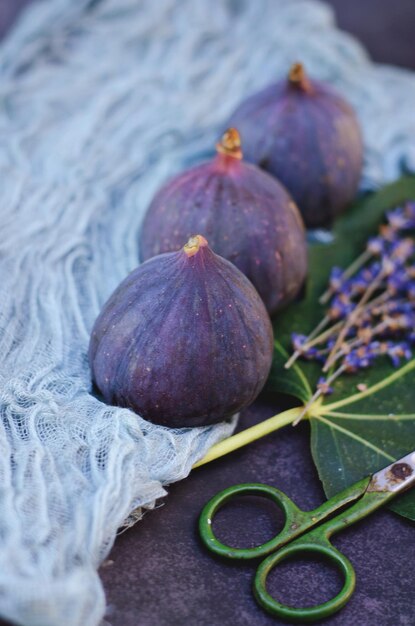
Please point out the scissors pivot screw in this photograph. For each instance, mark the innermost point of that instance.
(399, 472)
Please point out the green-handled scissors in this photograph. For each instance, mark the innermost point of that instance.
(299, 536)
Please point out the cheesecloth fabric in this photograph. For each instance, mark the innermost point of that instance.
(100, 101)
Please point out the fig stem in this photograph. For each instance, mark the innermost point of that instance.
(298, 78)
(250, 434)
(230, 144)
(194, 244)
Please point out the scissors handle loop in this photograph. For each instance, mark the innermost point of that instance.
(314, 544)
(293, 515)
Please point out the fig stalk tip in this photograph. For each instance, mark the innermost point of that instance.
(230, 144)
(298, 78)
(194, 244)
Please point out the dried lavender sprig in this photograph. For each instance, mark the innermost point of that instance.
(324, 335)
(307, 344)
(351, 363)
(348, 273)
(394, 251)
(401, 322)
(393, 308)
(398, 219)
(311, 336)
(319, 392)
(401, 251)
(373, 287)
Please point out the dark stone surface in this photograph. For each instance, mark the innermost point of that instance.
(385, 27)
(158, 574)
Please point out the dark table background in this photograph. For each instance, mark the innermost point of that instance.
(158, 574)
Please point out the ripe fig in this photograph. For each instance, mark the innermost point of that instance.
(304, 133)
(185, 340)
(246, 215)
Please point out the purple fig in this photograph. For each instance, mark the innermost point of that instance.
(185, 340)
(246, 215)
(304, 133)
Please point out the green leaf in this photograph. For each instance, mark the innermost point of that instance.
(293, 381)
(352, 433)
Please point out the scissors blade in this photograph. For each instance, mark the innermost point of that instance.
(397, 477)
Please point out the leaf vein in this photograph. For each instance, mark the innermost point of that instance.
(296, 369)
(377, 387)
(366, 416)
(352, 435)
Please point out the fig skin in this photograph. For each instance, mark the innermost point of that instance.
(246, 215)
(185, 340)
(304, 133)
